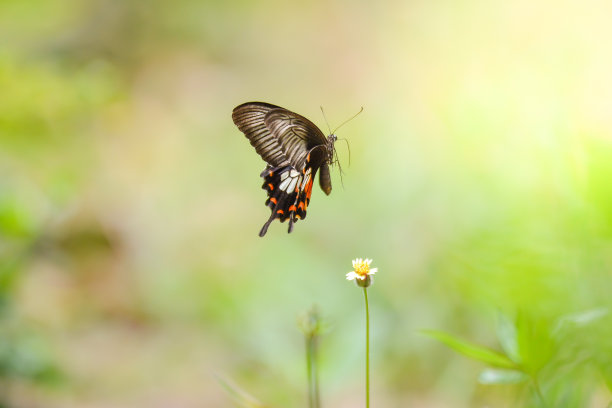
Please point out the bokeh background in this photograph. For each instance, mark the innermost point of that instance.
(131, 273)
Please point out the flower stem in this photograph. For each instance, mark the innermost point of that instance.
(312, 372)
(311, 403)
(367, 354)
(315, 373)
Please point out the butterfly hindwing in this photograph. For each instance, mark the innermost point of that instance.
(289, 192)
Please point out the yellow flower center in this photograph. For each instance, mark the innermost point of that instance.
(362, 269)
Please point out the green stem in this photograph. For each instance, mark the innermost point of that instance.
(538, 391)
(315, 373)
(309, 371)
(312, 372)
(367, 356)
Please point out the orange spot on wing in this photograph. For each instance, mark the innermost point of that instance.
(301, 205)
(280, 212)
(308, 188)
(273, 200)
(292, 208)
(271, 186)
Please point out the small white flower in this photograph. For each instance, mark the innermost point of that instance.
(361, 270)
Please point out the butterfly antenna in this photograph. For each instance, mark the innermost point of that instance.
(326, 122)
(337, 161)
(348, 120)
(345, 140)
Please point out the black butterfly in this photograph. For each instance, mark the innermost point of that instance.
(294, 149)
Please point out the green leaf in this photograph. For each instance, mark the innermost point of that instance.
(506, 334)
(471, 350)
(535, 343)
(497, 376)
(580, 319)
(606, 372)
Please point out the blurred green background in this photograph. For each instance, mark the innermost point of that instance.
(131, 273)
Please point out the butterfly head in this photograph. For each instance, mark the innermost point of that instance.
(331, 139)
(332, 156)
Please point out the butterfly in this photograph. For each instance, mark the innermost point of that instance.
(294, 149)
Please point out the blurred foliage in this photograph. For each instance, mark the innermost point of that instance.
(130, 267)
(558, 367)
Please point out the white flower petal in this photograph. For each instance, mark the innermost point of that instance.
(373, 271)
(351, 275)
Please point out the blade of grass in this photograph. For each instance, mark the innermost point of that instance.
(241, 397)
(471, 350)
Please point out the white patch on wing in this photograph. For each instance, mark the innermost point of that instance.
(294, 182)
(289, 180)
(284, 184)
(306, 179)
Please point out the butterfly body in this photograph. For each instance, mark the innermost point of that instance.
(294, 149)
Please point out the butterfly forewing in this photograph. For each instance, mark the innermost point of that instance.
(249, 117)
(296, 134)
